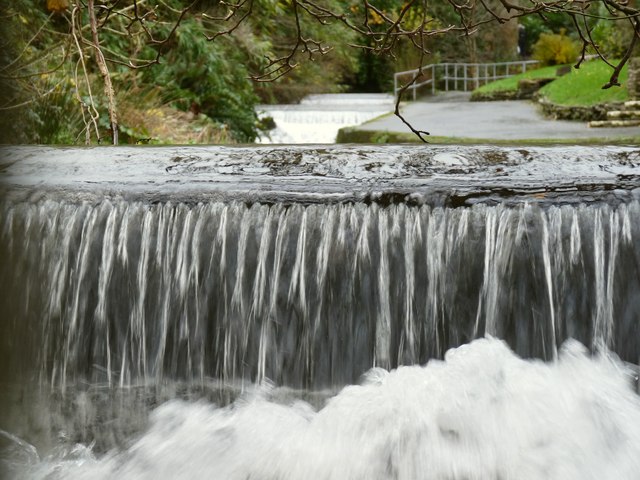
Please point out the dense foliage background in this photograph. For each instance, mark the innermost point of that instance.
(190, 85)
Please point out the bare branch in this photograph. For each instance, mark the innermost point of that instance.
(32, 100)
(235, 8)
(613, 81)
(91, 108)
(104, 71)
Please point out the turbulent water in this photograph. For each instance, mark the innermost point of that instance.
(245, 333)
(481, 414)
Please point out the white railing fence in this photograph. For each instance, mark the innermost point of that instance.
(457, 76)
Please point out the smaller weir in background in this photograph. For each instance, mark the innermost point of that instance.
(317, 118)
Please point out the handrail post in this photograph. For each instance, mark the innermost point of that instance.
(455, 76)
(476, 74)
(433, 79)
(446, 77)
(465, 77)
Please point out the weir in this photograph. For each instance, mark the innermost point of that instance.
(135, 269)
(307, 296)
(317, 118)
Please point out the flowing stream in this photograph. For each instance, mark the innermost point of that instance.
(302, 312)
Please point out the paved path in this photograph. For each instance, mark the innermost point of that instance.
(452, 115)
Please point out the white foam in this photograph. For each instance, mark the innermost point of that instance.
(483, 413)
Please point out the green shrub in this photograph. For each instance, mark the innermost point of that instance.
(206, 77)
(58, 115)
(536, 25)
(37, 94)
(555, 49)
(612, 39)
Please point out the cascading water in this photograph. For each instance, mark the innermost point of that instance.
(265, 280)
(317, 118)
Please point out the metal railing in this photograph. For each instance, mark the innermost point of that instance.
(458, 76)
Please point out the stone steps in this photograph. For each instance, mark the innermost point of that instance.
(614, 123)
(628, 117)
(623, 115)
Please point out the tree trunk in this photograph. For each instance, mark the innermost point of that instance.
(633, 81)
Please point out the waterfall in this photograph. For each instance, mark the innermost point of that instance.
(407, 302)
(307, 295)
(317, 118)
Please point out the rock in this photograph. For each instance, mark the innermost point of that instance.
(494, 96)
(527, 87)
(623, 114)
(584, 114)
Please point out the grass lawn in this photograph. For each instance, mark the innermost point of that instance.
(511, 83)
(583, 87)
(580, 87)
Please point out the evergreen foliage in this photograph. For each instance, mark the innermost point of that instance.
(536, 25)
(612, 37)
(37, 95)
